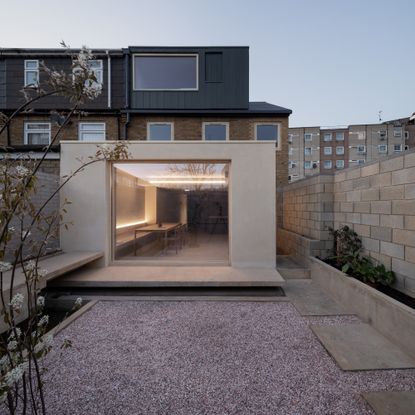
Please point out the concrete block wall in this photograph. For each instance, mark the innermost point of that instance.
(308, 210)
(47, 183)
(377, 200)
(300, 247)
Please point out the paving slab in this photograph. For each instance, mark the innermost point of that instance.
(360, 347)
(391, 402)
(171, 276)
(309, 300)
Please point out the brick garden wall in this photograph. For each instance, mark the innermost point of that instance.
(46, 185)
(377, 200)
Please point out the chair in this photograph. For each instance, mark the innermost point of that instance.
(173, 240)
(183, 234)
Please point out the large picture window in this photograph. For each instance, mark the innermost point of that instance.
(167, 211)
(165, 72)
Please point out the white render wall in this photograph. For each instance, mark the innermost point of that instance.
(252, 216)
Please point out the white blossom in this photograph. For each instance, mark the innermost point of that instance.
(5, 266)
(40, 301)
(30, 265)
(43, 321)
(22, 171)
(15, 375)
(42, 272)
(12, 345)
(17, 301)
(45, 343)
(4, 362)
(12, 334)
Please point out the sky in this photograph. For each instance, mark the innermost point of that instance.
(333, 62)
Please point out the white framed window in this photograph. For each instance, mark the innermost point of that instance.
(397, 132)
(406, 135)
(267, 132)
(290, 151)
(215, 131)
(308, 137)
(339, 150)
(97, 67)
(37, 133)
(382, 135)
(328, 164)
(361, 149)
(361, 161)
(339, 164)
(328, 151)
(166, 72)
(290, 138)
(31, 73)
(382, 148)
(327, 137)
(397, 148)
(307, 165)
(292, 164)
(91, 131)
(340, 136)
(160, 131)
(308, 151)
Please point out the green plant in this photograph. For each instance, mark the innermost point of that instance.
(347, 245)
(347, 248)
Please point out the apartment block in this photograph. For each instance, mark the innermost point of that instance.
(314, 150)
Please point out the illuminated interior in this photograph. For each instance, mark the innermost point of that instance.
(171, 211)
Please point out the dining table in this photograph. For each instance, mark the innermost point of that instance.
(161, 228)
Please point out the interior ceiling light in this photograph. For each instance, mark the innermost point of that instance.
(188, 181)
(188, 176)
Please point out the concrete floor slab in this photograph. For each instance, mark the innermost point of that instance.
(143, 276)
(361, 347)
(391, 402)
(309, 300)
(55, 265)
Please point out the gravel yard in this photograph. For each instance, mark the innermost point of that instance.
(200, 357)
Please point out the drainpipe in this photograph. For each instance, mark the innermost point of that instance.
(109, 77)
(126, 92)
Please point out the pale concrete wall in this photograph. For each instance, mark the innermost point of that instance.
(377, 200)
(129, 199)
(252, 217)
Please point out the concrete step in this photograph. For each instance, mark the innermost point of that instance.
(165, 276)
(290, 269)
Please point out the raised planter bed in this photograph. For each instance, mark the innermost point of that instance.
(393, 319)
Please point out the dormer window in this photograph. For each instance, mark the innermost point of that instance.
(165, 72)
